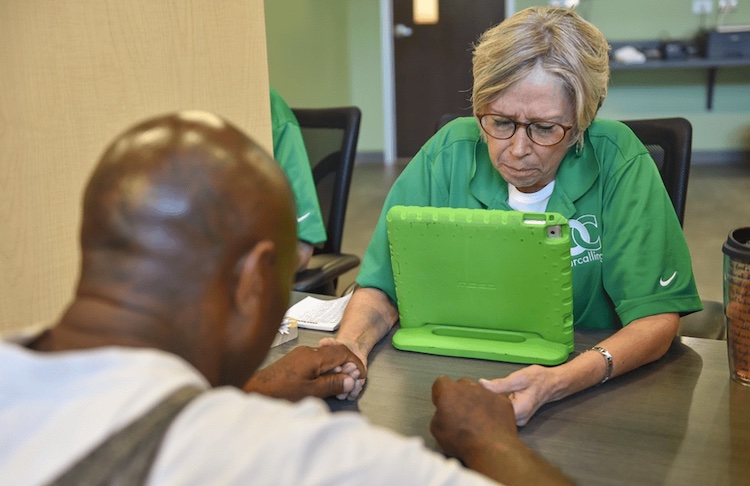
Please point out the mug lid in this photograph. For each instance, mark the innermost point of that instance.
(737, 245)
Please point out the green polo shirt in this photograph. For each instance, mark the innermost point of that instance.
(289, 150)
(628, 252)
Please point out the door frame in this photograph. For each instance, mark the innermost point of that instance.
(389, 77)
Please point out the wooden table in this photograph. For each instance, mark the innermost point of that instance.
(681, 420)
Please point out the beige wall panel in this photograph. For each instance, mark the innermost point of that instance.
(74, 74)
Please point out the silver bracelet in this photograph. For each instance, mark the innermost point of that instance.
(608, 359)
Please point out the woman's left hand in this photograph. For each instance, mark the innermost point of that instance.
(644, 340)
(528, 389)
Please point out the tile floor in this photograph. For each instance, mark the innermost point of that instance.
(718, 201)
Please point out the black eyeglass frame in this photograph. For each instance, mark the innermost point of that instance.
(516, 124)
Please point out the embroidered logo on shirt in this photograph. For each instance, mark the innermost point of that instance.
(668, 281)
(586, 243)
(303, 217)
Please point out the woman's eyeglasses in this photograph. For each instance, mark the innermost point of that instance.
(541, 132)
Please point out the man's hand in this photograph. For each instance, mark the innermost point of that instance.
(353, 346)
(479, 427)
(466, 414)
(319, 372)
(359, 353)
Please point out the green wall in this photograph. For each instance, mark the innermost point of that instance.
(308, 51)
(325, 53)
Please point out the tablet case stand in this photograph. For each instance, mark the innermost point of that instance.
(479, 283)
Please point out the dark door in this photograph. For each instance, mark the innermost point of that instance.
(433, 65)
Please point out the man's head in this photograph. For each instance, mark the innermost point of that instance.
(189, 232)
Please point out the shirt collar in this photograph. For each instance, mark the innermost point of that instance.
(576, 175)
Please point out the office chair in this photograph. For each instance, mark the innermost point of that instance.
(669, 141)
(330, 136)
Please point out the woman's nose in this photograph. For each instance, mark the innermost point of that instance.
(520, 143)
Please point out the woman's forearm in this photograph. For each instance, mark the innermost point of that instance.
(642, 341)
(368, 317)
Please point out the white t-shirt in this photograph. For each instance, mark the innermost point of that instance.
(535, 202)
(56, 407)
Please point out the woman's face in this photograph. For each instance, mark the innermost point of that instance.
(521, 162)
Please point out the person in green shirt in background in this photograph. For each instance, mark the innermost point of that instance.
(289, 150)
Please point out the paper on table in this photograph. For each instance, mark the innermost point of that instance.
(318, 314)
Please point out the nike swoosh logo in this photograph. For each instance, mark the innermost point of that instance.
(668, 281)
(303, 217)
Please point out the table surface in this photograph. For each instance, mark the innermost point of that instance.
(681, 420)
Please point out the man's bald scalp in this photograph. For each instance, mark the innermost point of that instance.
(182, 184)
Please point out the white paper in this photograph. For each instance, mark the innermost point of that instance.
(318, 314)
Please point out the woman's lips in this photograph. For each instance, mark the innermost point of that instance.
(521, 171)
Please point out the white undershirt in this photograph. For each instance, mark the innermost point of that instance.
(534, 202)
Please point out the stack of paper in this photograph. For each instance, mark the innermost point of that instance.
(318, 314)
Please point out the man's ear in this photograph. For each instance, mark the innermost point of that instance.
(256, 273)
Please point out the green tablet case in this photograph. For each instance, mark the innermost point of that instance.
(481, 283)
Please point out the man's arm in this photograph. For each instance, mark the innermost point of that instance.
(305, 371)
(479, 428)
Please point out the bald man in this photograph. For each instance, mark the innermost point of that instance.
(188, 253)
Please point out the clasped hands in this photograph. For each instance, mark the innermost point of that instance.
(305, 371)
(470, 422)
(527, 389)
(334, 370)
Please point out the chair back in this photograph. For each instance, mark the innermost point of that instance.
(331, 136)
(669, 141)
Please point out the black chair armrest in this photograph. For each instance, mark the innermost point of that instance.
(322, 271)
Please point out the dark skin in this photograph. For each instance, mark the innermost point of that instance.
(188, 246)
(479, 427)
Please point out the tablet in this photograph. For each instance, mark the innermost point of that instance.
(480, 283)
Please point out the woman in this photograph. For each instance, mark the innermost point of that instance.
(539, 79)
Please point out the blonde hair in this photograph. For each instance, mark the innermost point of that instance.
(554, 38)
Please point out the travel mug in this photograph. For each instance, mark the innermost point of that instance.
(737, 302)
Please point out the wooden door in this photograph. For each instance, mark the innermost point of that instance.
(433, 65)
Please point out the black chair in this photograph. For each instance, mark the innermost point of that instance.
(330, 136)
(669, 141)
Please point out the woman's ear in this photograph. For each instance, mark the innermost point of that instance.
(256, 274)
